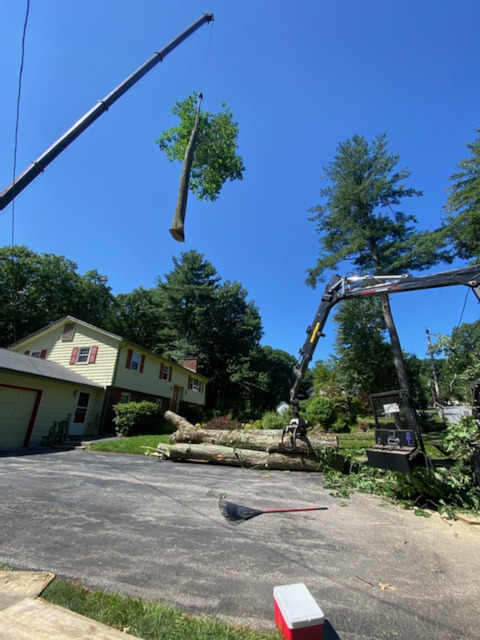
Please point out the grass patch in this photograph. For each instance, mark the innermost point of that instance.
(359, 440)
(133, 444)
(147, 620)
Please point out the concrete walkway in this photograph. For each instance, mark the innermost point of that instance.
(24, 616)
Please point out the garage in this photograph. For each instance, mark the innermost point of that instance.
(17, 415)
(36, 395)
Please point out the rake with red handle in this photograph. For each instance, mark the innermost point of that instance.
(235, 513)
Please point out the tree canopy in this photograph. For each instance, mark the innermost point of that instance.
(36, 289)
(463, 203)
(461, 359)
(360, 222)
(216, 159)
(212, 320)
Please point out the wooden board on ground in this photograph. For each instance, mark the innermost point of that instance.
(33, 618)
(16, 585)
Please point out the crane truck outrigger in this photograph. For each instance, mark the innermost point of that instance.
(396, 448)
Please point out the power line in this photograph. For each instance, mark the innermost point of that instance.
(17, 119)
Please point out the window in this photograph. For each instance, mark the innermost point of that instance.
(81, 408)
(135, 361)
(195, 384)
(37, 354)
(84, 355)
(165, 372)
(125, 397)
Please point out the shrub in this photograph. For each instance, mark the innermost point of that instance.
(273, 420)
(321, 410)
(223, 423)
(138, 418)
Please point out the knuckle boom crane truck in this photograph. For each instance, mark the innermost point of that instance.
(397, 448)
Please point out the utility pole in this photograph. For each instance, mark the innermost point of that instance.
(437, 397)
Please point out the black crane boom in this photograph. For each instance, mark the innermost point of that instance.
(41, 163)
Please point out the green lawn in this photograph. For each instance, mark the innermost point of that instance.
(133, 444)
(147, 620)
(364, 440)
(346, 443)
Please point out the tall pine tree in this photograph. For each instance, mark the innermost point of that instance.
(361, 225)
(463, 204)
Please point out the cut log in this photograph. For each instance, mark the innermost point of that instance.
(184, 452)
(261, 439)
(178, 421)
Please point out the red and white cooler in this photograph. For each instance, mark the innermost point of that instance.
(297, 615)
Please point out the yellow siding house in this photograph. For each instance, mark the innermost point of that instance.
(125, 371)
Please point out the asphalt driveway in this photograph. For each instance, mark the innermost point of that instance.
(153, 529)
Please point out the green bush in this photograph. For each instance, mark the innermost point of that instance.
(138, 418)
(321, 410)
(273, 420)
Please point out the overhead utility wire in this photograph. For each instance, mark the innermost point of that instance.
(15, 147)
(17, 118)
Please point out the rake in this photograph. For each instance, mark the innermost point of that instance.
(235, 513)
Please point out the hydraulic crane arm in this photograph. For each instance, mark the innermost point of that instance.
(41, 163)
(344, 287)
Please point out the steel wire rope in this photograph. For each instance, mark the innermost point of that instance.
(207, 55)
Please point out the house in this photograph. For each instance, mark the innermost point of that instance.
(283, 407)
(125, 372)
(35, 393)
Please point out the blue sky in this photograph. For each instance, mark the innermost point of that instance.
(299, 78)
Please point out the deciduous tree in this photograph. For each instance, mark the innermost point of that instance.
(216, 159)
(36, 289)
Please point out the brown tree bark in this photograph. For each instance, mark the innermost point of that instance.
(263, 440)
(237, 457)
(178, 421)
(398, 359)
(260, 439)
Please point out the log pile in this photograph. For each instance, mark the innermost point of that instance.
(258, 448)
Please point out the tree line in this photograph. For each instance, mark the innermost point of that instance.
(190, 312)
(362, 226)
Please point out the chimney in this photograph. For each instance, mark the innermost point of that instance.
(191, 363)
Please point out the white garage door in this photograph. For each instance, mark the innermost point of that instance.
(16, 407)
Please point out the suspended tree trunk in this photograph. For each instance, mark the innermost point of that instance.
(177, 228)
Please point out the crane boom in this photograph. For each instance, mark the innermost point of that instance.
(345, 287)
(41, 163)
